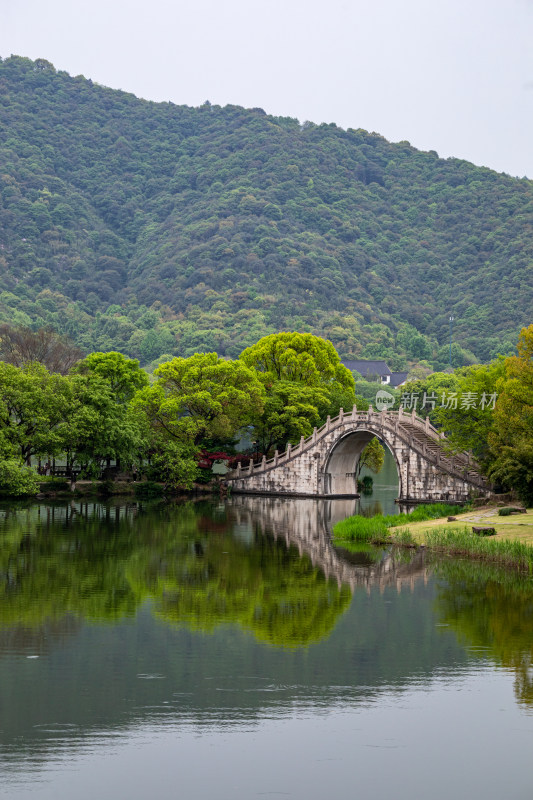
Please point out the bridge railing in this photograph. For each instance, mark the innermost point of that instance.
(351, 416)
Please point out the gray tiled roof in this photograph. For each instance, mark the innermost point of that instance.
(396, 378)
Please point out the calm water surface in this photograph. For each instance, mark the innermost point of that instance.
(227, 650)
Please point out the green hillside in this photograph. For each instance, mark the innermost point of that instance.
(153, 228)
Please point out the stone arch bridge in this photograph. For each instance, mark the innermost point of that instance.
(324, 464)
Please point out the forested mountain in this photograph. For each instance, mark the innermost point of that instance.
(153, 228)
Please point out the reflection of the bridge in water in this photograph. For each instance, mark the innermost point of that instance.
(307, 524)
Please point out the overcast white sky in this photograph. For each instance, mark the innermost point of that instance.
(455, 76)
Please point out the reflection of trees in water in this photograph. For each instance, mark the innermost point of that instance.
(264, 587)
(491, 609)
(99, 563)
(265, 564)
(64, 561)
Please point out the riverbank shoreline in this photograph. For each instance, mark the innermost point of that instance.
(101, 490)
(481, 534)
(508, 528)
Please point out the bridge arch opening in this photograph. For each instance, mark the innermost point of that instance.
(342, 461)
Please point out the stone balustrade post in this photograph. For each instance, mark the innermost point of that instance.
(289, 449)
(238, 467)
(413, 416)
(427, 424)
(251, 466)
(341, 415)
(354, 413)
(302, 440)
(263, 462)
(328, 423)
(276, 457)
(314, 434)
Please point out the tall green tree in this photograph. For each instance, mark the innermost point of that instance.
(96, 427)
(511, 440)
(123, 375)
(299, 358)
(201, 397)
(33, 404)
(304, 382)
(195, 400)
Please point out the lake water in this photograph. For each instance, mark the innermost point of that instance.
(227, 650)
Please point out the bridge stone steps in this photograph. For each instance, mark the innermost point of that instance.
(431, 442)
(458, 462)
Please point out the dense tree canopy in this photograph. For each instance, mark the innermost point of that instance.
(304, 381)
(97, 427)
(123, 375)
(33, 404)
(202, 396)
(298, 358)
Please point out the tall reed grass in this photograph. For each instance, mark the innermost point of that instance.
(462, 542)
(362, 529)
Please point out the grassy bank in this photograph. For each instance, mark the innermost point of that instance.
(511, 547)
(517, 527)
(376, 529)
